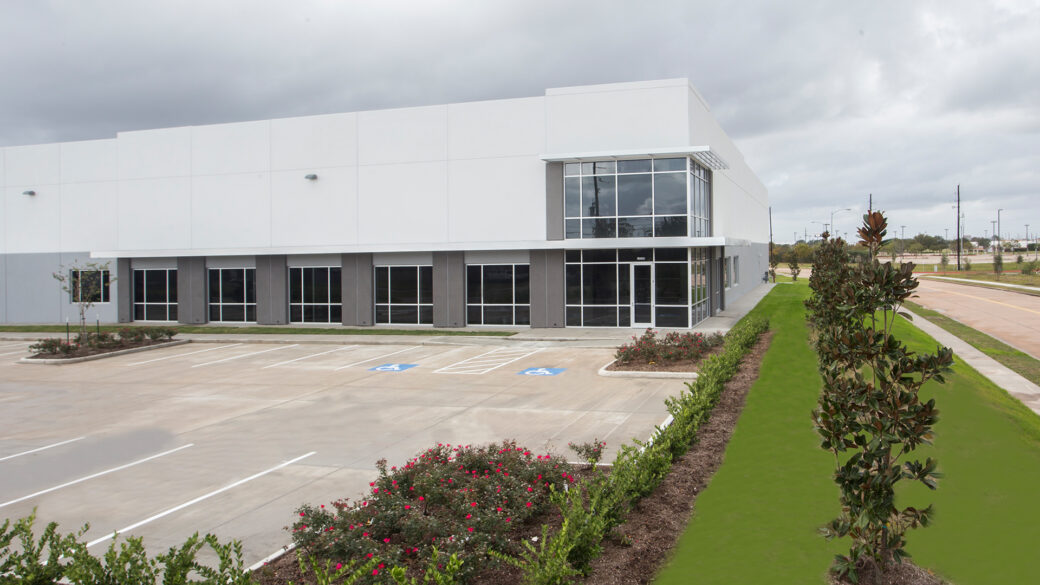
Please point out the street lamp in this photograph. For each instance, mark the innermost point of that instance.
(993, 226)
(902, 239)
(837, 211)
(999, 235)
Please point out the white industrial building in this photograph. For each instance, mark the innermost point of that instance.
(620, 205)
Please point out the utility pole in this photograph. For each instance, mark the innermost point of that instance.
(993, 226)
(870, 203)
(958, 228)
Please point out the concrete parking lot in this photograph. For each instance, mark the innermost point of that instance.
(230, 437)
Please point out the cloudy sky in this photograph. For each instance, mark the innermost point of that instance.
(830, 100)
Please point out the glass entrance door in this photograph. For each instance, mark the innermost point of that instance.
(642, 295)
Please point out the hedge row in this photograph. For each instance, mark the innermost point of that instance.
(592, 509)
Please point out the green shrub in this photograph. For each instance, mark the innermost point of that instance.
(132, 334)
(464, 500)
(1029, 268)
(52, 346)
(160, 333)
(27, 560)
(590, 451)
(673, 346)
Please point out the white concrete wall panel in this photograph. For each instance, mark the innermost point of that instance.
(741, 201)
(32, 223)
(403, 135)
(314, 213)
(595, 120)
(88, 218)
(314, 142)
(4, 215)
(90, 160)
(496, 128)
(403, 203)
(154, 214)
(31, 167)
(231, 148)
(496, 199)
(231, 211)
(155, 153)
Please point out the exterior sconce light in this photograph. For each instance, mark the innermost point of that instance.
(30, 193)
(311, 177)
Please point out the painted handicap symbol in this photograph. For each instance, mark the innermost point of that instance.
(392, 367)
(542, 371)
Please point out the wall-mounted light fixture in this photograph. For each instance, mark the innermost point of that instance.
(311, 177)
(29, 193)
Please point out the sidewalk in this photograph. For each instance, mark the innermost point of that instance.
(532, 337)
(1024, 390)
(1035, 289)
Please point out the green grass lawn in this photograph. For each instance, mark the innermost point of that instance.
(1005, 278)
(757, 521)
(260, 329)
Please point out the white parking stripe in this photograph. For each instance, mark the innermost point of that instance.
(376, 358)
(170, 357)
(14, 352)
(486, 362)
(14, 345)
(92, 476)
(198, 499)
(42, 448)
(308, 356)
(245, 355)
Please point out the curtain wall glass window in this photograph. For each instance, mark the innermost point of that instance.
(155, 295)
(700, 201)
(599, 287)
(232, 294)
(628, 198)
(498, 294)
(699, 299)
(89, 286)
(314, 295)
(404, 294)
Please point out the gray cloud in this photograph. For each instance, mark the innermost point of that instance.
(828, 100)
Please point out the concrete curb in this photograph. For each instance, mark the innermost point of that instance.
(633, 374)
(1013, 383)
(89, 358)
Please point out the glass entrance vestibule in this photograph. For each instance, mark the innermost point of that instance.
(649, 287)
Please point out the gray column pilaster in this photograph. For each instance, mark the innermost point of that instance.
(272, 295)
(192, 302)
(124, 290)
(548, 307)
(449, 289)
(554, 201)
(358, 308)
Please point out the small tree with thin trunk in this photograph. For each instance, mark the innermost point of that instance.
(870, 414)
(85, 284)
(774, 261)
(998, 264)
(792, 263)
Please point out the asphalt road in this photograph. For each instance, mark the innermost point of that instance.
(1009, 316)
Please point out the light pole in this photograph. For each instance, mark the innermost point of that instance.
(947, 238)
(837, 211)
(1000, 236)
(993, 226)
(902, 240)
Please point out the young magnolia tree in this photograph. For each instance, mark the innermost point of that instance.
(85, 283)
(870, 415)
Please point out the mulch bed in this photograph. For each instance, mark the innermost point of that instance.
(85, 351)
(663, 366)
(643, 544)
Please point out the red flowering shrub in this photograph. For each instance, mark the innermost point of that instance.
(461, 499)
(673, 346)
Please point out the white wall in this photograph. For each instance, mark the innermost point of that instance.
(452, 174)
(741, 203)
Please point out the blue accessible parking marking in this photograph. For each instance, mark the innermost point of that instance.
(542, 371)
(392, 367)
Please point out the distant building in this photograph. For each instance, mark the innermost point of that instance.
(621, 205)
